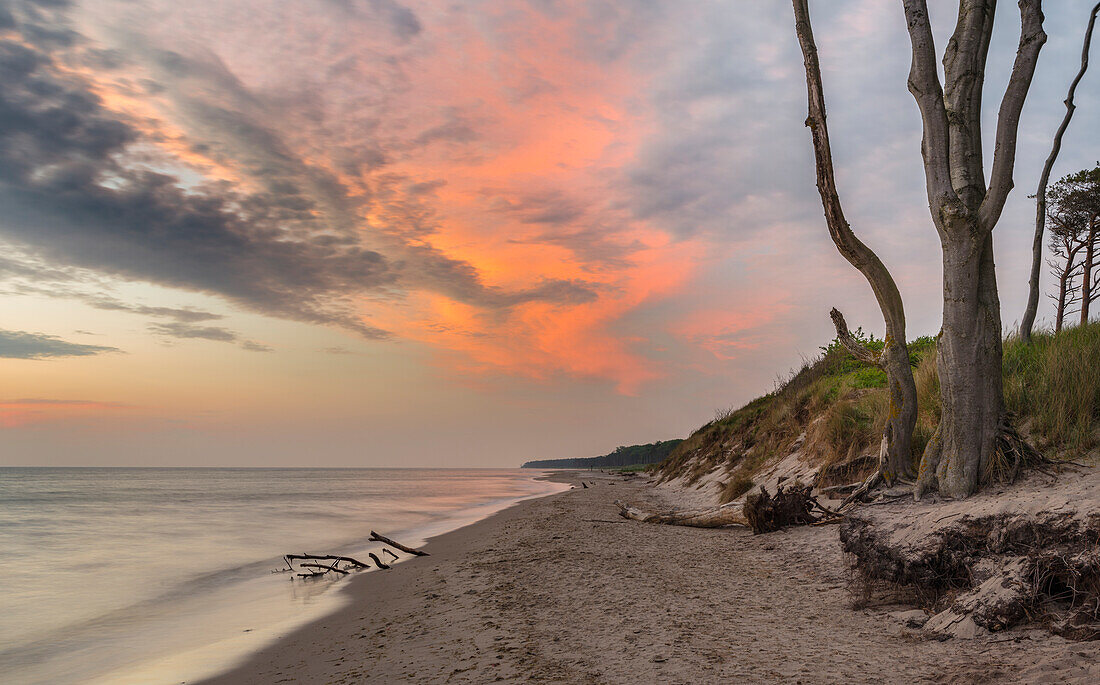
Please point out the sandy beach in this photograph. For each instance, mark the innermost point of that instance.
(561, 589)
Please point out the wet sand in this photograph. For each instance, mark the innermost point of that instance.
(561, 589)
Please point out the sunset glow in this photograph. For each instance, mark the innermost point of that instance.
(236, 230)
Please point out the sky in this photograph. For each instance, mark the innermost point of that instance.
(454, 232)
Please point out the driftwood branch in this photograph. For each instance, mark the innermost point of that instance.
(327, 568)
(325, 557)
(1041, 194)
(332, 565)
(377, 561)
(874, 479)
(726, 515)
(375, 537)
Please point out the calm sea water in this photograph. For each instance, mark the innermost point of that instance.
(127, 575)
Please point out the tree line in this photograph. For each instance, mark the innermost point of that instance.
(653, 453)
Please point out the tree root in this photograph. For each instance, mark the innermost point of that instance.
(1012, 453)
(791, 506)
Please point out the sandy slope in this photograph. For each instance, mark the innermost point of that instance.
(561, 589)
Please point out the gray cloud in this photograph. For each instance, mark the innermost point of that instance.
(187, 315)
(294, 248)
(188, 331)
(23, 345)
(252, 346)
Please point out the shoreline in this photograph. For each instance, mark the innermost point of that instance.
(353, 591)
(561, 589)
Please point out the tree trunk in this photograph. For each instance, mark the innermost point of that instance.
(894, 358)
(1086, 277)
(898, 433)
(965, 211)
(1063, 287)
(969, 363)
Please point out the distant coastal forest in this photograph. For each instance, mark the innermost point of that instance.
(652, 453)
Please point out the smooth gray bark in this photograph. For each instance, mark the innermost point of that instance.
(964, 211)
(894, 358)
(1028, 321)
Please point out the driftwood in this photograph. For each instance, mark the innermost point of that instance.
(791, 506)
(375, 537)
(335, 564)
(389, 552)
(326, 568)
(381, 564)
(726, 515)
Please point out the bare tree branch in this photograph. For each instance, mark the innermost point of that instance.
(894, 359)
(854, 347)
(1032, 38)
(924, 84)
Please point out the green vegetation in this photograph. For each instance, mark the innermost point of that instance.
(634, 455)
(841, 405)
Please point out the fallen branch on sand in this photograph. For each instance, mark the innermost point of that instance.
(763, 513)
(375, 537)
(725, 515)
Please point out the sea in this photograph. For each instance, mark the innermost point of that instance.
(168, 575)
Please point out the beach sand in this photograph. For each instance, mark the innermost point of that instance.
(561, 589)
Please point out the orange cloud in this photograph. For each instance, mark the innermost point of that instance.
(522, 136)
(534, 193)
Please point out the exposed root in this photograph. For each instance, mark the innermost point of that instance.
(980, 575)
(791, 506)
(1012, 452)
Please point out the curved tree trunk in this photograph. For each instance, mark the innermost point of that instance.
(898, 432)
(894, 358)
(1028, 320)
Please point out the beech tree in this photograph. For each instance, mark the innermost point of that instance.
(897, 459)
(964, 210)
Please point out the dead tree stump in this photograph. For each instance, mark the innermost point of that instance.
(791, 506)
